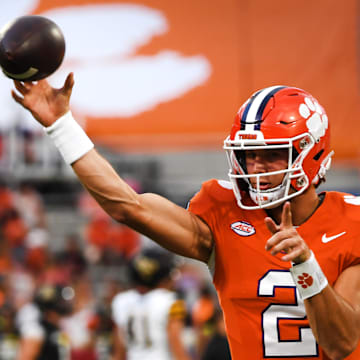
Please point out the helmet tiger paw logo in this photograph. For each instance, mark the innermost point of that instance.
(317, 120)
(305, 280)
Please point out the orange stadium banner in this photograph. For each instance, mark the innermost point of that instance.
(170, 75)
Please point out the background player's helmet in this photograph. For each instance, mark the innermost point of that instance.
(279, 117)
(55, 298)
(151, 266)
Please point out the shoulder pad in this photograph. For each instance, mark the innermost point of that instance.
(346, 204)
(220, 190)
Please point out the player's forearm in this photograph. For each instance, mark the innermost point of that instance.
(118, 348)
(154, 216)
(161, 220)
(333, 315)
(111, 192)
(29, 349)
(334, 322)
(179, 353)
(175, 340)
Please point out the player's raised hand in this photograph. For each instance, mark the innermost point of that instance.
(285, 239)
(44, 102)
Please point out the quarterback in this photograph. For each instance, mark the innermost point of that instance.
(285, 258)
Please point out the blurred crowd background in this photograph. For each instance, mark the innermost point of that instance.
(157, 98)
(77, 247)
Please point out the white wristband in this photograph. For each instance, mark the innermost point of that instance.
(69, 137)
(308, 277)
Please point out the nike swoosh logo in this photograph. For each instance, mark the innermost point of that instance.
(326, 239)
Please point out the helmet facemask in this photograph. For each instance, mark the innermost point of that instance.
(295, 181)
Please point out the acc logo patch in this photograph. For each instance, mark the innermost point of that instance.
(243, 228)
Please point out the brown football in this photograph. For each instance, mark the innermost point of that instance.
(31, 48)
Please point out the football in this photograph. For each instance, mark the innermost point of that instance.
(31, 48)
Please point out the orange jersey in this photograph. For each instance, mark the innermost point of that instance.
(264, 314)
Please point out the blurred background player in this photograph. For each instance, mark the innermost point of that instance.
(150, 317)
(217, 346)
(38, 323)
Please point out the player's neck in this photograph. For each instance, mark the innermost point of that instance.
(302, 207)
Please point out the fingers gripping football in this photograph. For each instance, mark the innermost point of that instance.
(285, 239)
(45, 103)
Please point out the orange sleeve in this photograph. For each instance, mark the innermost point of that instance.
(211, 196)
(353, 256)
(350, 218)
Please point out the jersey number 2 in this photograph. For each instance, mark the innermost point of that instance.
(273, 346)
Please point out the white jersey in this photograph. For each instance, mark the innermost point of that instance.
(143, 319)
(27, 321)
